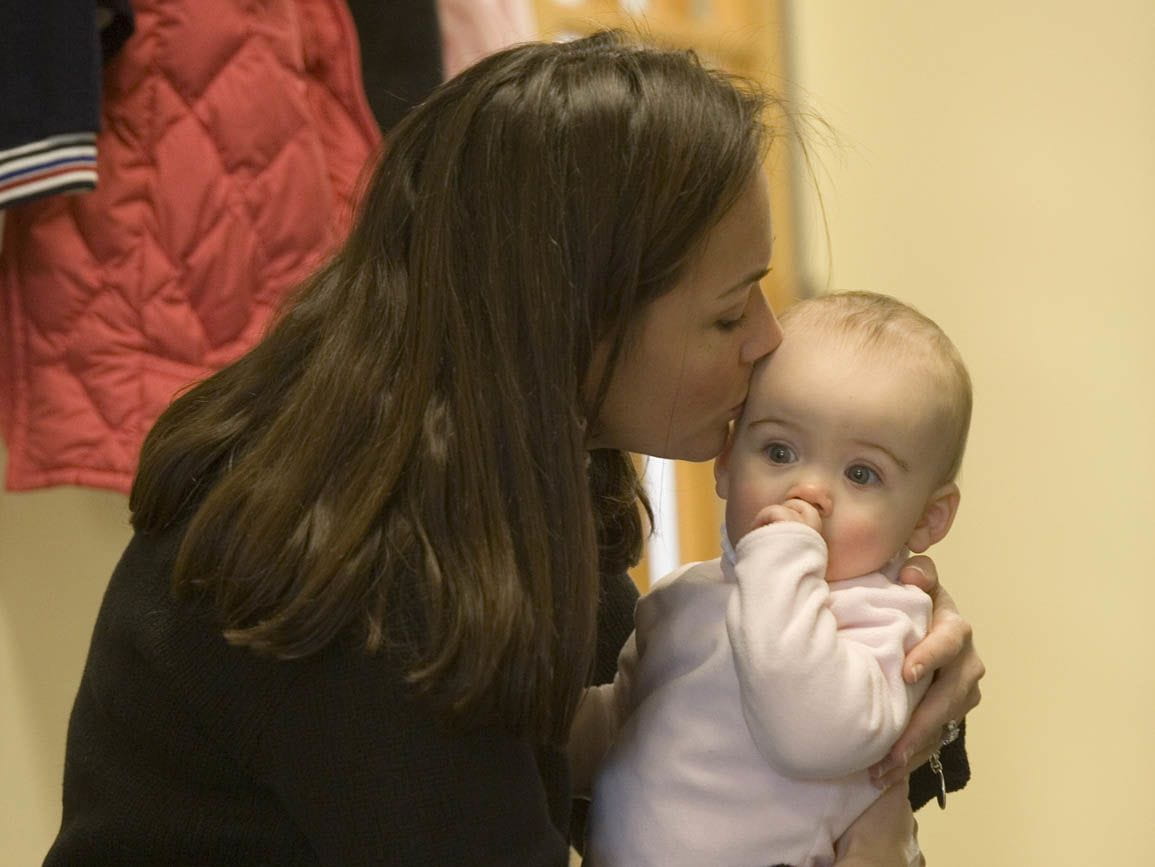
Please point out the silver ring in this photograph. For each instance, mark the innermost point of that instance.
(950, 733)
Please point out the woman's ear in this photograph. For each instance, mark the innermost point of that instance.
(936, 518)
(722, 466)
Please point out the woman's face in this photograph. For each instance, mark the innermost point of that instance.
(684, 378)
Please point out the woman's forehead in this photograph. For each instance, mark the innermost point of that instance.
(738, 246)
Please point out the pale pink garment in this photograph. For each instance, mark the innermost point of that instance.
(471, 29)
(749, 702)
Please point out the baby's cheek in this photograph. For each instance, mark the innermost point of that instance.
(744, 506)
(856, 548)
(738, 517)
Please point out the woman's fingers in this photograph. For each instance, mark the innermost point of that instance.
(948, 654)
(952, 695)
(945, 641)
(921, 572)
(923, 735)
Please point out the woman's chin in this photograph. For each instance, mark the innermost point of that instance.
(703, 448)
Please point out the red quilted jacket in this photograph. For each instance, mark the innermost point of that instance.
(234, 137)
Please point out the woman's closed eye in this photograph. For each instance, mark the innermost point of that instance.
(736, 317)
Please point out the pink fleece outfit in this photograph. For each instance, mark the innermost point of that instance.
(748, 705)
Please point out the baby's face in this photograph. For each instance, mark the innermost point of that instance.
(851, 431)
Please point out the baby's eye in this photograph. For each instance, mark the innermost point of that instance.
(780, 453)
(862, 475)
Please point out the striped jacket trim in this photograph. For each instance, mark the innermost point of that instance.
(57, 164)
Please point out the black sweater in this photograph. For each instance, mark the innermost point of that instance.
(185, 750)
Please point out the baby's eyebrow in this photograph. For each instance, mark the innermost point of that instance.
(903, 465)
(769, 420)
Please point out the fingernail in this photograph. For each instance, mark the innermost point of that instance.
(918, 669)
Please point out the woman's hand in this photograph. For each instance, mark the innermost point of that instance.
(948, 654)
(885, 835)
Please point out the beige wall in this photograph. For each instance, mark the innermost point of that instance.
(57, 549)
(998, 170)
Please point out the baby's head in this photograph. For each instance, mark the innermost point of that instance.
(863, 412)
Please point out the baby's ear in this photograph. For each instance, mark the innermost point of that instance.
(936, 518)
(722, 466)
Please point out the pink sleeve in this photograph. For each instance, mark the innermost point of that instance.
(820, 665)
(471, 29)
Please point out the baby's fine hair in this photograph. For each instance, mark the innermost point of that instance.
(877, 320)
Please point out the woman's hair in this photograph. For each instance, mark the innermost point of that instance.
(873, 320)
(403, 458)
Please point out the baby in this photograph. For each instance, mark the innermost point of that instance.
(758, 688)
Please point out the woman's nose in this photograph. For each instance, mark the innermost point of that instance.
(815, 493)
(765, 332)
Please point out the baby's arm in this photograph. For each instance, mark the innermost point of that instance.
(822, 696)
(600, 713)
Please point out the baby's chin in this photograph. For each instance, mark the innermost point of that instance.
(832, 578)
(838, 571)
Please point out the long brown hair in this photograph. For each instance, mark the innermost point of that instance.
(402, 459)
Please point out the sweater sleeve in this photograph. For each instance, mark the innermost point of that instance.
(369, 776)
(619, 596)
(600, 714)
(820, 672)
(50, 77)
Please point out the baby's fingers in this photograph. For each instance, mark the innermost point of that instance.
(775, 514)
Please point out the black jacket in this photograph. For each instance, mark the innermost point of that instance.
(185, 750)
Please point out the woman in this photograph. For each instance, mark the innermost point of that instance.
(385, 525)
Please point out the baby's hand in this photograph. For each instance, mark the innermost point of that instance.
(792, 510)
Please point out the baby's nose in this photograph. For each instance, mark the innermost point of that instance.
(814, 493)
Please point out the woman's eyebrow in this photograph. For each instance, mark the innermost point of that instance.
(752, 277)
